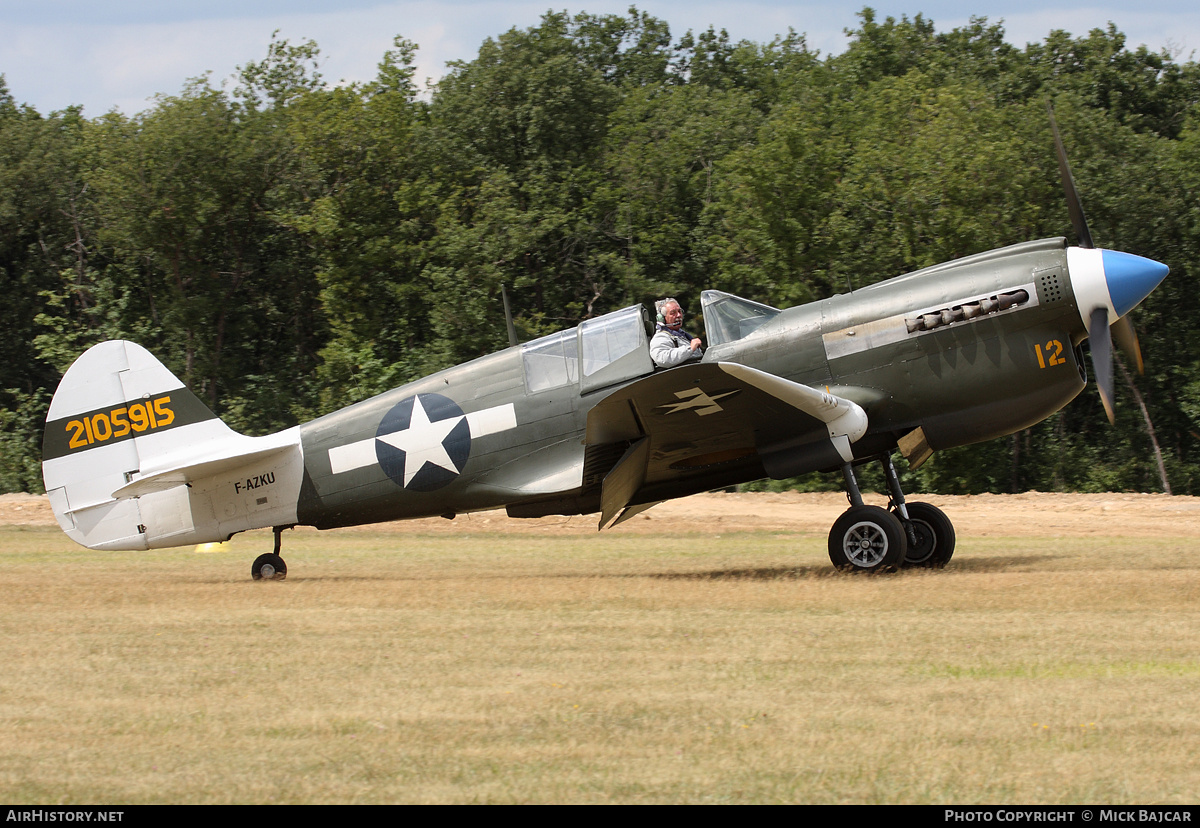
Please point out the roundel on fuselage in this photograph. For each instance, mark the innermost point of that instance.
(423, 442)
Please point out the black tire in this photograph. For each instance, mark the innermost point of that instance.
(275, 568)
(935, 537)
(867, 539)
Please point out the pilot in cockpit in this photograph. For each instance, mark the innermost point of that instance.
(671, 345)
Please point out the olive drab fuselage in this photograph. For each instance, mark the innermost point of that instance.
(964, 381)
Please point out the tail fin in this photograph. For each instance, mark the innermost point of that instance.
(132, 459)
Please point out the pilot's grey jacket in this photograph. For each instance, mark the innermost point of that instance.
(669, 348)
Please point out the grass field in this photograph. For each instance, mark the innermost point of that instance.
(504, 667)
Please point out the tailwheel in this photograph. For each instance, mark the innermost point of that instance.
(934, 535)
(268, 567)
(867, 539)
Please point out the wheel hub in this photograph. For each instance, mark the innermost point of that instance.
(926, 543)
(866, 544)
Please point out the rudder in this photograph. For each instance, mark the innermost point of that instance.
(126, 440)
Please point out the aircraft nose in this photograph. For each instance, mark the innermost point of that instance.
(1130, 278)
(1111, 280)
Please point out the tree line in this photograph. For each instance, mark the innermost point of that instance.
(288, 247)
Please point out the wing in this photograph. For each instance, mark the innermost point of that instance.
(681, 424)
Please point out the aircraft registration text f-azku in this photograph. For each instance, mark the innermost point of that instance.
(256, 482)
(583, 421)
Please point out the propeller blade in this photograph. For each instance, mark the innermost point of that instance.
(1074, 205)
(1102, 358)
(1127, 340)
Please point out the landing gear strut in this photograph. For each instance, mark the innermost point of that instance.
(270, 567)
(871, 539)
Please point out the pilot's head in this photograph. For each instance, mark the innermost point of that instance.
(669, 312)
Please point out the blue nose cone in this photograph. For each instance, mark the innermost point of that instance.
(1130, 278)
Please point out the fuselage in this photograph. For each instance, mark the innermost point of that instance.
(969, 350)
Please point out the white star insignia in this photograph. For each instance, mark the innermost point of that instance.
(422, 441)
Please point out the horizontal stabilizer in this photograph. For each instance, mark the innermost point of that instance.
(223, 461)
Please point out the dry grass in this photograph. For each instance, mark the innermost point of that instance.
(506, 667)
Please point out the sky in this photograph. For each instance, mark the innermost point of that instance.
(119, 54)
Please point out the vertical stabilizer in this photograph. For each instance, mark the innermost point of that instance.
(132, 459)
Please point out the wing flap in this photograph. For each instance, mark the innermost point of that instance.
(623, 482)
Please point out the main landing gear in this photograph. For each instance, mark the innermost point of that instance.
(270, 567)
(870, 539)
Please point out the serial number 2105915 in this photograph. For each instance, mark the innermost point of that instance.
(120, 422)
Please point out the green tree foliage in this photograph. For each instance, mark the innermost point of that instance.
(525, 122)
(288, 247)
(368, 216)
(663, 162)
(44, 249)
(189, 199)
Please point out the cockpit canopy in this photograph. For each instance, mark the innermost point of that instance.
(615, 347)
(728, 318)
(609, 348)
